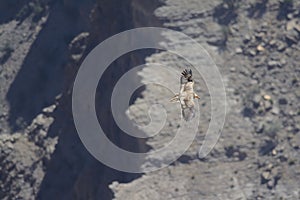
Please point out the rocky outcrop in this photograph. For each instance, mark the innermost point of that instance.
(24, 156)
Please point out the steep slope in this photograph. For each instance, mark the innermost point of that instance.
(256, 48)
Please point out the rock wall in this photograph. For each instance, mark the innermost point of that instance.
(60, 34)
(255, 45)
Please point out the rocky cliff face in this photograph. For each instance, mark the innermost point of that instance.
(42, 156)
(70, 159)
(255, 45)
(34, 53)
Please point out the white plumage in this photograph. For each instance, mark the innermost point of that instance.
(186, 95)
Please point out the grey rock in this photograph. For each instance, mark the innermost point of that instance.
(247, 38)
(260, 127)
(270, 183)
(257, 99)
(281, 46)
(78, 46)
(290, 16)
(238, 50)
(282, 62)
(49, 109)
(292, 36)
(275, 110)
(266, 175)
(273, 63)
(273, 42)
(260, 35)
(252, 52)
(293, 25)
(267, 105)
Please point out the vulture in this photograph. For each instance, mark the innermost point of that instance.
(186, 95)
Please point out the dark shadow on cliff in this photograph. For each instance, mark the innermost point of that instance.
(103, 98)
(258, 9)
(285, 7)
(10, 9)
(226, 12)
(40, 79)
(72, 172)
(220, 41)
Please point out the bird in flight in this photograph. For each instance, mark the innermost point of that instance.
(186, 95)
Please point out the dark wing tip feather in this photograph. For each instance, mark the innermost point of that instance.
(187, 73)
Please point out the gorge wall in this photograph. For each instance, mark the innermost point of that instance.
(254, 44)
(41, 154)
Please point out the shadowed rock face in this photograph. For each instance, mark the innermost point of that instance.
(10, 9)
(43, 68)
(56, 164)
(85, 177)
(41, 154)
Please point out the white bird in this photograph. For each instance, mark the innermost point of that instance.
(186, 95)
